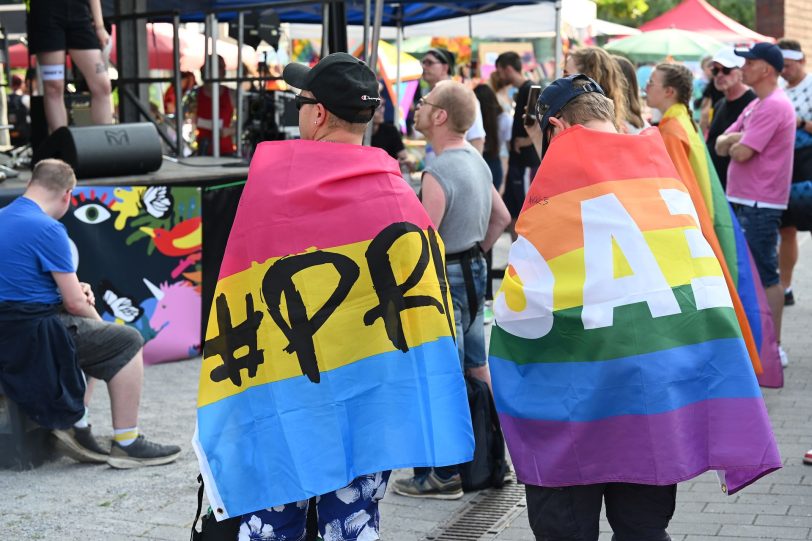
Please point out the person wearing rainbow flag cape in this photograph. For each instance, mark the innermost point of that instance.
(619, 363)
(669, 91)
(330, 354)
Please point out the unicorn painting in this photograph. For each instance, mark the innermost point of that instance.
(176, 322)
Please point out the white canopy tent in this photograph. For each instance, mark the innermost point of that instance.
(527, 21)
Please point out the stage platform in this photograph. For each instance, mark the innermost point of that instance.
(150, 245)
(192, 171)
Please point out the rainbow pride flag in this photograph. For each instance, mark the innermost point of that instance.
(330, 348)
(618, 355)
(690, 156)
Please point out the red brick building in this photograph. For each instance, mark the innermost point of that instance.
(786, 18)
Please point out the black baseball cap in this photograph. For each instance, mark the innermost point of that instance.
(342, 83)
(768, 52)
(443, 55)
(559, 93)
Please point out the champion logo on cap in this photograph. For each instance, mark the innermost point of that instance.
(369, 98)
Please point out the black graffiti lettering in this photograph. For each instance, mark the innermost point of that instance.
(301, 330)
(230, 339)
(439, 268)
(391, 295)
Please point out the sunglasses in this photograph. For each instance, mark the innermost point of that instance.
(304, 100)
(715, 71)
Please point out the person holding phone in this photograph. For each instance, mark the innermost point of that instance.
(523, 161)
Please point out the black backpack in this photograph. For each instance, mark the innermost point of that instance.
(489, 466)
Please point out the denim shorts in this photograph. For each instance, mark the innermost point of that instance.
(760, 227)
(347, 514)
(470, 334)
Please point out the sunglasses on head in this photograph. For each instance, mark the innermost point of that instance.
(715, 71)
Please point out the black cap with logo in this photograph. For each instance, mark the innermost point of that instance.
(342, 83)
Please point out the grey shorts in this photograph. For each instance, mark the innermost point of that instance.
(102, 348)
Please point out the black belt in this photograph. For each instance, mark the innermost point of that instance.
(468, 277)
(470, 252)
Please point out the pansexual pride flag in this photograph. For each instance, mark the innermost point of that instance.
(618, 355)
(330, 351)
(693, 163)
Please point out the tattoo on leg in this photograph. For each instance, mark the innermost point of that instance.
(100, 67)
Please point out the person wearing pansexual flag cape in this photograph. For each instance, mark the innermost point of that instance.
(329, 356)
(618, 363)
(669, 91)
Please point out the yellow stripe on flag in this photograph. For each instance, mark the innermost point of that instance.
(344, 337)
(669, 247)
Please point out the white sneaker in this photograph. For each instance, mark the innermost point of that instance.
(783, 355)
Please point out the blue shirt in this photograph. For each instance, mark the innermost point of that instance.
(32, 245)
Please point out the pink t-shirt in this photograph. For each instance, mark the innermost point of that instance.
(769, 128)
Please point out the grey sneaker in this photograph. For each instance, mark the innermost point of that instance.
(80, 445)
(141, 452)
(430, 486)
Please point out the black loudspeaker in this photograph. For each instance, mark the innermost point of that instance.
(258, 27)
(105, 151)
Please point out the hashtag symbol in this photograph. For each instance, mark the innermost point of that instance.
(230, 339)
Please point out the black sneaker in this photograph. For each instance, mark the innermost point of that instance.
(789, 298)
(430, 486)
(80, 445)
(141, 452)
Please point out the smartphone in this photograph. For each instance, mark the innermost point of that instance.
(530, 108)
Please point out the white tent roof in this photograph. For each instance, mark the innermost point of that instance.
(528, 21)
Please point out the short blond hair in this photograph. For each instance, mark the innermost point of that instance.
(588, 106)
(54, 175)
(459, 102)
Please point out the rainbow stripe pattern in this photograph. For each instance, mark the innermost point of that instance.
(330, 348)
(693, 163)
(618, 354)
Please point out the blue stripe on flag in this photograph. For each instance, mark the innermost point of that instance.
(292, 439)
(746, 285)
(645, 384)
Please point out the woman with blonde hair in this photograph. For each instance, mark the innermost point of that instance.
(634, 114)
(599, 65)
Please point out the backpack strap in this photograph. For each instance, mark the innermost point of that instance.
(196, 536)
(497, 447)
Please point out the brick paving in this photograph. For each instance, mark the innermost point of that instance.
(68, 501)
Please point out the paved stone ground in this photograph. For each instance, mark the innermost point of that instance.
(68, 501)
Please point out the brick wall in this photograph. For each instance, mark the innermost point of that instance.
(770, 17)
(786, 18)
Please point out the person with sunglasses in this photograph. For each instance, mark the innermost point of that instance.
(337, 100)
(438, 66)
(727, 77)
(761, 146)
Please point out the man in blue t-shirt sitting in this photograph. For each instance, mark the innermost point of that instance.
(37, 269)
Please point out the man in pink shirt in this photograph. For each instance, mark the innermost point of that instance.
(761, 145)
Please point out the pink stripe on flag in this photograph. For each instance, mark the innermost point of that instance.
(291, 179)
(773, 373)
(723, 434)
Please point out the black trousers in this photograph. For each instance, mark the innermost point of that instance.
(635, 512)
